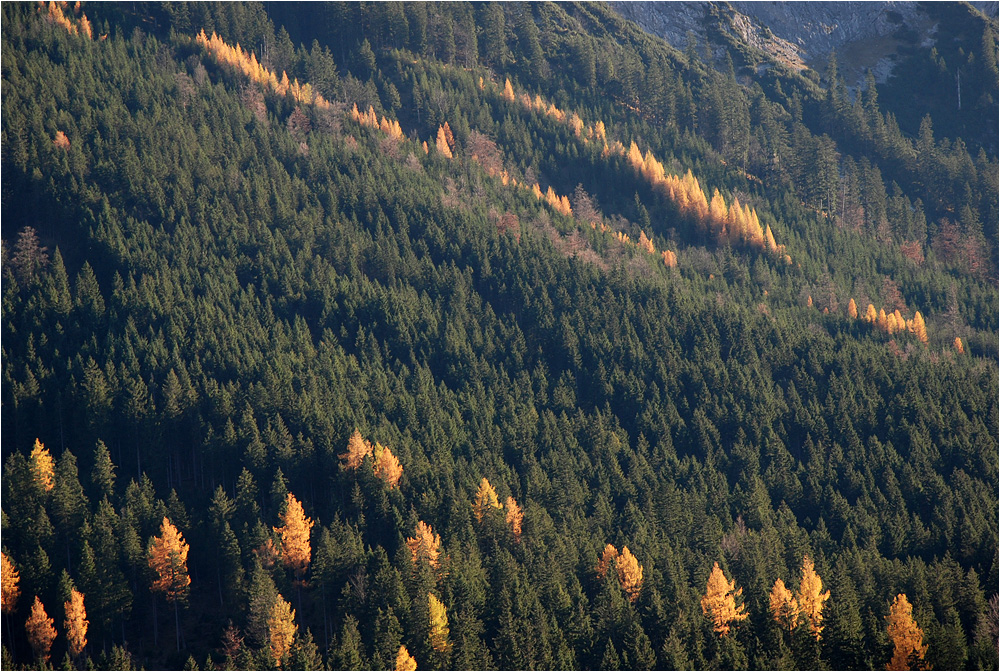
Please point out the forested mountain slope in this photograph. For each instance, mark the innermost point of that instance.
(482, 336)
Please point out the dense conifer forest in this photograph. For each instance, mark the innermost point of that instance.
(490, 336)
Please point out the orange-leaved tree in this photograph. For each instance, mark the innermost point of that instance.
(9, 590)
(629, 573)
(811, 597)
(387, 467)
(41, 632)
(852, 309)
(76, 624)
(42, 467)
(168, 559)
(281, 629)
(608, 556)
(959, 348)
(719, 602)
(514, 517)
(425, 545)
(296, 551)
(439, 624)
(442, 143)
(784, 607)
(907, 638)
(357, 449)
(404, 661)
(919, 327)
(486, 499)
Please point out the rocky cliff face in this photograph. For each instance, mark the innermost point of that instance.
(798, 34)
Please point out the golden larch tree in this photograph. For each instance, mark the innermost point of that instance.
(717, 212)
(508, 91)
(514, 517)
(168, 560)
(9, 590)
(486, 499)
(784, 606)
(870, 314)
(86, 28)
(608, 556)
(281, 629)
(41, 632)
(296, 551)
(387, 467)
(852, 309)
(719, 602)
(959, 348)
(442, 143)
(448, 135)
(906, 636)
(425, 545)
(439, 624)
(669, 259)
(76, 624)
(772, 245)
(811, 596)
(404, 661)
(357, 449)
(645, 243)
(919, 327)
(629, 573)
(42, 467)
(167, 555)
(61, 141)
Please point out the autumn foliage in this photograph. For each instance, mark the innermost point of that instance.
(514, 517)
(783, 606)
(906, 636)
(485, 501)
(281, 629)
(425, 545)
(357, 449)
(811, 597)
(387, 467)
(42, 467)
(719, 602)
(439, 624)
(371, 120)
(9, 590)
(608, 556)
(56, 15)
(404, 661)
(41, 632)
(168, 560)
(246, 63)
(626, 566)
(442, 142)
(385, 464)
(629, 573)
(76, 624)
(296, 551)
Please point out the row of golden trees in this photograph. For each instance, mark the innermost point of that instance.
(722, 604)
(246, 63)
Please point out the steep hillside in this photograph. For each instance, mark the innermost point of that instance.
(482, 336)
